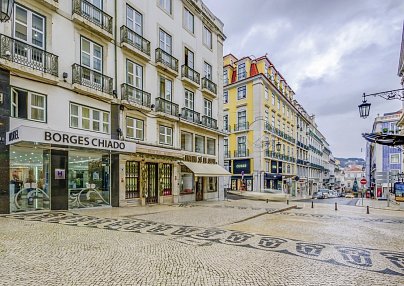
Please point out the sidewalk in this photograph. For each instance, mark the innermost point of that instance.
(372, 203)
(261, 196)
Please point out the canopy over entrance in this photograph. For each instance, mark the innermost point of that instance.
(207, 170)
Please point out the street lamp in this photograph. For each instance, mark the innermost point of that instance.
(278, 146)
(6, 8)
(364, 107)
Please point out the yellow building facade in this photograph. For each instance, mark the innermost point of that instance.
(260, 118)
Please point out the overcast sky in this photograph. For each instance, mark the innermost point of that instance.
(329, 51)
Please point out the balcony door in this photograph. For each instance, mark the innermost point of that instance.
(241, 146)
(189, 104)
(29, 28)
(93, 11)
(165, 43)
(134, 21)
(134, 77)
(91, 59)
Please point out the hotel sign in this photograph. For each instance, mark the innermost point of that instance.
(31, 134)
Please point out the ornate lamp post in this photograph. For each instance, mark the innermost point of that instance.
(364, 107)
(278, 146)
(6, 8)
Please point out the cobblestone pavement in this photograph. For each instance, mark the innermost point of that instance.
(220, 243)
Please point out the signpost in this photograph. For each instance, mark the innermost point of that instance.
(363, 182)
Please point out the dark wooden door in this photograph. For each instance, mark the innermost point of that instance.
(152, 183)
(199, 189)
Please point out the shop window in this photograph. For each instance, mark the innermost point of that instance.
(87, 118)
(199, 144)
(212, 184)
(186, 141)
(134, 128)
(187, 184)
(132, 180)
(166, 179)
(165, 135)
(28, 105)
(210, 146)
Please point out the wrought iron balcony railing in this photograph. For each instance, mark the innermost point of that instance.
(135, 95)
(209, 122)
(209, 85)
(166, 106)
(227, 154)
(93, 14)
(166, 59)
(190, 115)
(27, 55)
(242, 153)
(226, 128)
(191, 74)
(241, 126)
(135, 40)
(92, 79)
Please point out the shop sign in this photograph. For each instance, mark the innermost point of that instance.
(240, 166)
(31, 134)
(60, 174)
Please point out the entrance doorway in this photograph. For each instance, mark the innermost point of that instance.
(199, 189)
(151, 183)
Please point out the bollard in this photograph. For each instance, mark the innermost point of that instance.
(336, 207)
(287, 202)
(267, 200)
(312, 204)
(367, 209)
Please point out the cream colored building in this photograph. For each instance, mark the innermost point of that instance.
(142, 80)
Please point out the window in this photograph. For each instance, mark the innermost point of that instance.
(225, 96)
(226, 147)
(134, 128)
(266, 70)
(242, 118)
(29, 27)
(279, 104)
(132, 180)
(273, 120)
(212, 184)
(241, 146)
(166, 88)
(207, 37)
(28, 105)
(266, 94)
(225, 77)
(210, 146)
(199, 144)
(207, 68)
(241, 92)
(188, 20)
(266, 116)
(165, 135)
(134, 75)
(189, 99)
(165, 43)
(283, 108)
(189, 59)
(226, 122)
(83, 117)
(273, 99)
(241, 73)
(394, 158)
(134, 21)
(186, 141)
(166, 5)
(91, 55)
(207, 107)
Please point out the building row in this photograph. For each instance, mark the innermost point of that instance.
(272, 143)
(110, 103)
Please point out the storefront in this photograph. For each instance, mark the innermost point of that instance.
(242, 178)
(272, 181)
(53, 170)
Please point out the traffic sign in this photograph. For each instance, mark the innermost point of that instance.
(363, 181)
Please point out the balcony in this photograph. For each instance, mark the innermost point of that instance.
(209, 122)
(244, 126)
(52, 4)
(190, 115)
(227, 154)
(134, 42)
(209, 87)
(190, 76)
(166, 62)
(241, 153)
(90, 16)
(135, 98)
(227, 128)
(22, 58)
(166, 106)
(91, 83)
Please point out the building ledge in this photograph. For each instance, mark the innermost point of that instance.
(135, 106)
(166, 69)
(52, 4)
(92, 92)
(132, 50)
(93, 28)
(209, 93)
(190, 82)
(28, 72)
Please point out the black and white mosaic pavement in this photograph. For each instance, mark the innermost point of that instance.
(362, 259)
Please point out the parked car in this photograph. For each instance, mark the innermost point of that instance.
(349, 195)
(326, 193)
(318, 195)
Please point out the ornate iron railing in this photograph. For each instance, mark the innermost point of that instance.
(190, 115)
(191, 74)
(209, 122)
(242, 126)
(93, 14)
(135, 40)
(166, 59)
(135, 95)
(166, 106)
(28, 55)
(209, 85)
(242, 153)
(92, 79)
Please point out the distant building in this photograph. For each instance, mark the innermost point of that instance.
(351, 173)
